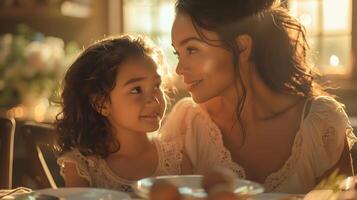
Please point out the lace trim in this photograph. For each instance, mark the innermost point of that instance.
(108, 179)
(79, 161)
(224, 155)
(276, 178)
(170, 157)
(351, 137)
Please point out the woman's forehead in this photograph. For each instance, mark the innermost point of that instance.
(183, 28)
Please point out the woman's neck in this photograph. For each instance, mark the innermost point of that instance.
(260, 102)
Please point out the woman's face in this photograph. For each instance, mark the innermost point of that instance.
(207, 70)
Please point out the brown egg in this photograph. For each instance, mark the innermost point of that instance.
(163, 190)
(218, 177)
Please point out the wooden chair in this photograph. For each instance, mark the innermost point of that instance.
(7, 134)
(40, 139)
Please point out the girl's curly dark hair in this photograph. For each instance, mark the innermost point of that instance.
(87, 84)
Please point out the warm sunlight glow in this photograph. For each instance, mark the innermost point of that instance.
(306, 19)
(328, 24)
(40, 110)
(16, 112)
(337, 15)
(166, 16)
(334, 61)
(306, 12)
(138, 17)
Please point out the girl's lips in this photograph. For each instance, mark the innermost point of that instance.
(154, 117)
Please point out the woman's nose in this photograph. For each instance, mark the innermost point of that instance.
(180, 69)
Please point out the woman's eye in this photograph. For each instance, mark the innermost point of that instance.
(191, 50)
(176, 53)
(136, 90)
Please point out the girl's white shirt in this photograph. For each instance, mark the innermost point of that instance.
(96, 171)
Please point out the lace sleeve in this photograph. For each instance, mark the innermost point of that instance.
(190, 128)
(331, 122)
(170, 157)
(174, 126)
(79, 160)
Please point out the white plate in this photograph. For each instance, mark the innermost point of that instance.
(190, 185)
(277, 196)
(78, 194)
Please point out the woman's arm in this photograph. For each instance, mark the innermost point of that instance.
(71, 176)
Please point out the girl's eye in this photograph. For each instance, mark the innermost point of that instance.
(191, 50)
(158, 86)
(136, 90)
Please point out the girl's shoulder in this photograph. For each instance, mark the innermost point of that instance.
(81, 162)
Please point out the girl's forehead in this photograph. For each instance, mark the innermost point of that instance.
(137, 67)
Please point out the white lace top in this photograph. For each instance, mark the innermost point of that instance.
(96, 171)
(317, 147)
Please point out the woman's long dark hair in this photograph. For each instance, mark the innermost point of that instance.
(279, 46)
(87, 84)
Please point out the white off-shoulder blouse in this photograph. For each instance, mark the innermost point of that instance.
(317, 146)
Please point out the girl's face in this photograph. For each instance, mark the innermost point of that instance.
(207, 70)
(136, 103)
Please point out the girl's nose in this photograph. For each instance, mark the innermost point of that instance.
(153, 100)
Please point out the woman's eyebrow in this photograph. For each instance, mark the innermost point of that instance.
(184, 41)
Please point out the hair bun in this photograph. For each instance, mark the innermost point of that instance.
(243, 8)
(262, 4)
(224, 10)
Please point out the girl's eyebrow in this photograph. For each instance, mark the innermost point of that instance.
(138, 79)
(133, 80)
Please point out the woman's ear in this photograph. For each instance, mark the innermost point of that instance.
(244, 43)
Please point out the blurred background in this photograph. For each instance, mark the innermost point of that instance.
(40, 38)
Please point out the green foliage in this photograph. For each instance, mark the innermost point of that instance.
(31, 65)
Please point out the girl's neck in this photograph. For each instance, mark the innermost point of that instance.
(132, 144)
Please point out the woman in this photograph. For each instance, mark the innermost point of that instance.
(256, 107)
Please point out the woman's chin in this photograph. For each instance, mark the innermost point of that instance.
(199, 98)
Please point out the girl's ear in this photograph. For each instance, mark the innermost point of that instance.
(244, 43)
(100, 105)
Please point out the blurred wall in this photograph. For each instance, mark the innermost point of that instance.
(51, 22)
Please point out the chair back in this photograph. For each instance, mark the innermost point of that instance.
(40, 140)
(7, 134)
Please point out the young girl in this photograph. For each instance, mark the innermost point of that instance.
(112, 98)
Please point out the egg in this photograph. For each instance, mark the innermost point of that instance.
(163, 190)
